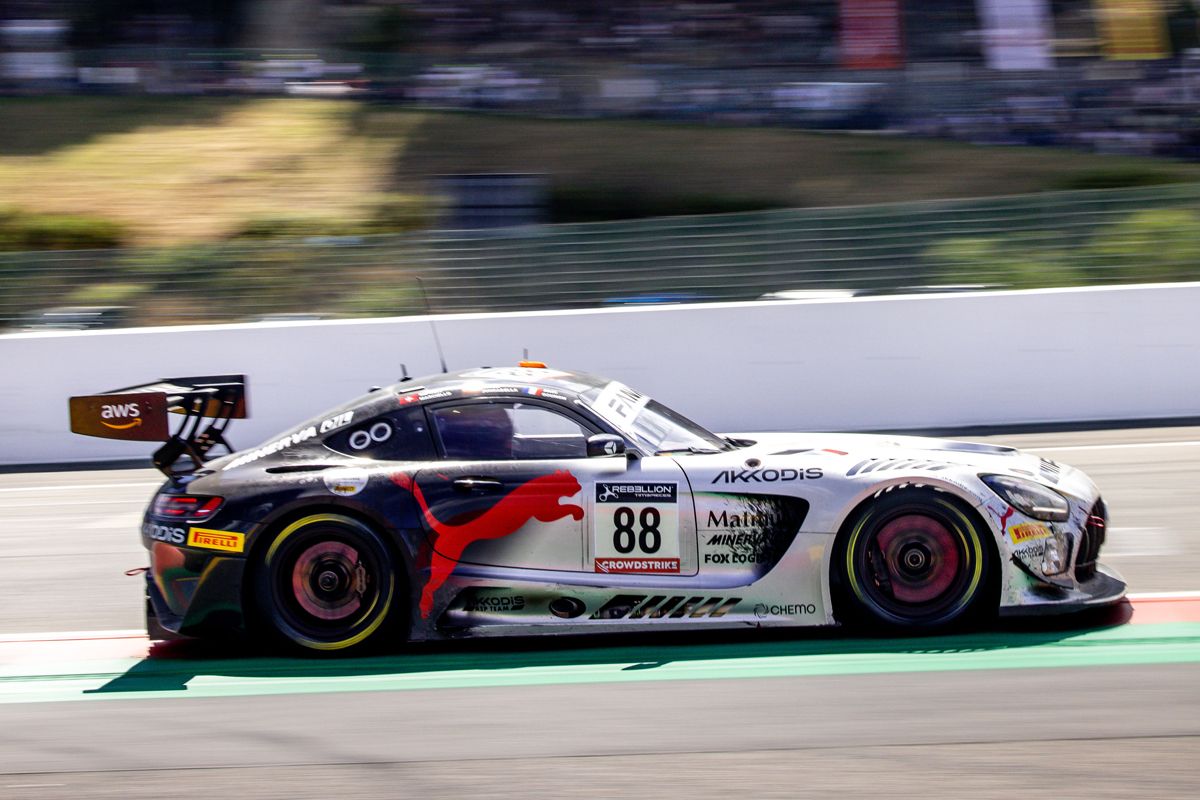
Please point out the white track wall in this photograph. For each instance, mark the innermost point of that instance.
(869, 363)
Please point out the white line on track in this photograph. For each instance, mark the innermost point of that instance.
(1122, 446)
(66, 636)
(60, 504)
(1164, 596)
(73, 487)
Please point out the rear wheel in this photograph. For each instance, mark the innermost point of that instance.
(915, 559)
(327, 583)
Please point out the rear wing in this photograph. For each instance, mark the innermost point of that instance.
(140, 413)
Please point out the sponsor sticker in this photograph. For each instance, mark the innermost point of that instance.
(299, 436)
(347, 482)
(763, 610)
(229, 541)
(1028, 532)
(516, 373)
(636, 492)
(619, 404)
(637, 566)
(420, 397)
(742, 547)
(768, 475)
(139, 416)
(495, 603)
(333, 423)
(636, 527)
(164, 533)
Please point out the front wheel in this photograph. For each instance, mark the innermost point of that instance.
(915, 559)
(327, 583)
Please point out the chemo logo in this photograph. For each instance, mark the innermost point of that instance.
(536, 499)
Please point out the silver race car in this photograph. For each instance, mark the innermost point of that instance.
(528, 500)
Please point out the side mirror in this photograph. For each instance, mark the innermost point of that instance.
(605, 444)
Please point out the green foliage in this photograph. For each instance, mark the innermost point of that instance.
(1153, 245)
(106, 294)
(20, 230)
(1145, 246)
(396, 213)
(381, 301)
(1127, 177)
(279, 227)
(594, 204)
(385, 30)
(385, 213)
(1022, 261)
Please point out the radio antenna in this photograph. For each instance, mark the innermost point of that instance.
(432, 325)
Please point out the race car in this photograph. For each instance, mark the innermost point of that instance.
(530, 500)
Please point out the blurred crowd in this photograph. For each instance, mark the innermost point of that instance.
(1105, 75)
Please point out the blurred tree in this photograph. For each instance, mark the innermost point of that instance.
(1153, 245)
(104, 23)
(387, 29)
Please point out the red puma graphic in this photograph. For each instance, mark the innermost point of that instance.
(536, 499)
(1002, 518)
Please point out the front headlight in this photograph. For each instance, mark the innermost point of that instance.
(1031, 499)
(1054, 558)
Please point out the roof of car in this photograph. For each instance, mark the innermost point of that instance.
(492, 380)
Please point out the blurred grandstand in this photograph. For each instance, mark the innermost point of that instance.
(152, 176)
(1104, 75)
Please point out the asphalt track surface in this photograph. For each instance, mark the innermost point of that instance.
(1101, 706)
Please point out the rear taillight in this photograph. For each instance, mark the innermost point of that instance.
(186, 506)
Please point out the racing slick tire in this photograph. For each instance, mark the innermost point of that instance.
(915, 560)
(326, 584)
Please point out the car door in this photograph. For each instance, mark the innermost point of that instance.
(516, 489)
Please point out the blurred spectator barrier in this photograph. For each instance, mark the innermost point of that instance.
(1055, 355)
(1053, 239)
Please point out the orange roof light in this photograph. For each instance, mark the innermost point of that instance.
(532, 364)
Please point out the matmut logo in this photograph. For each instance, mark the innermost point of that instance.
(229, 541)
(121, 411)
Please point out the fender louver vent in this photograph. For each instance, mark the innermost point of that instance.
(636, 606)
(1050, 470)
(1091, 538)
(886, 464)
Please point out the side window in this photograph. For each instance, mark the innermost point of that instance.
(488, 431)
(400, 436)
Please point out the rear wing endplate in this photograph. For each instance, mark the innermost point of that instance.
(140, 413)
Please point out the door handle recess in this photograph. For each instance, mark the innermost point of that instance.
(477, 484)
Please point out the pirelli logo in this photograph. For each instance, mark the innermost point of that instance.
(1028, 532)
(229, 541)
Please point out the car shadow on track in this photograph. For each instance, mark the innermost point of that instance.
(171, 665)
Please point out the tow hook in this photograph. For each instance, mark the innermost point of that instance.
(129, 573)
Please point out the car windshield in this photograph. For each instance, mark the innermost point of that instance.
(649, 423)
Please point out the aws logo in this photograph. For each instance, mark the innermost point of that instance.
(122, 411)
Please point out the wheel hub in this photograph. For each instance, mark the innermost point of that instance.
(328, 580)
(915, 560)
(919, 558)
